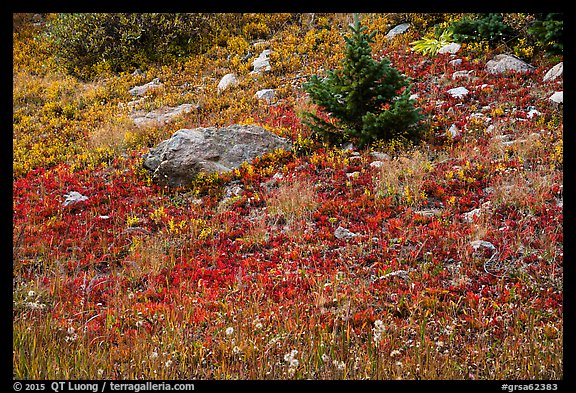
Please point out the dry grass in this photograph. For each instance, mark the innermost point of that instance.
(250, 347)
(111, 134)
(525, 190)
(402, 178)
(294, 201)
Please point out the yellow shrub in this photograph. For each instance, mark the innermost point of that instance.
(255, 30)
(523, 50)
(237, 45)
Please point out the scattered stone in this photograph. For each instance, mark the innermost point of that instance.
(458, 92)
(557, 97)
(343, 233)
(560, 202)
(137, 230)
(502, 138)
(469, 216)
(397, 30)
(503, 63)
(462, 74)
(141, 90)
(132, 104)
(231, 192)
(262, 62)
(273, 182)
(377, 164)
(162, 115)
(176, 161)
(265, 94)
(455, 62)
(380, 156)
(73, 197)
(554, 72)
(428, 212)
(451, 48)
(453, 131)
(37, 19)
(348, 147)
(532, 112)
(403, 274)
(227, 81)
(515, 141)
(476, 244)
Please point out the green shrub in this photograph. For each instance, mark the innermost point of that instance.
(490, 28)
(88, 42)
(368, 100)
(547, 32)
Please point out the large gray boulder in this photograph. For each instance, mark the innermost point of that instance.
(176, 161)
(503, 63)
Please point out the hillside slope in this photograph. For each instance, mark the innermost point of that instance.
(437, 261)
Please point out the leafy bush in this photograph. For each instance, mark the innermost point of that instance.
(368, 99)
(88, 42)
(490, 27)
(431, 46)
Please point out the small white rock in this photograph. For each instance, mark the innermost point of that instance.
(453, 131)
(397, 30)
(380, 156)
(343, 233)
(141, 90)
(557, 97)
(262, 62)
(532, 112)
(554, 72)
(469, 216)
(265, 94)
(458, 92)
(476, 244)
(398, 273)
(227, 81)
(461, 74)
(452, 48)
(73, 197)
